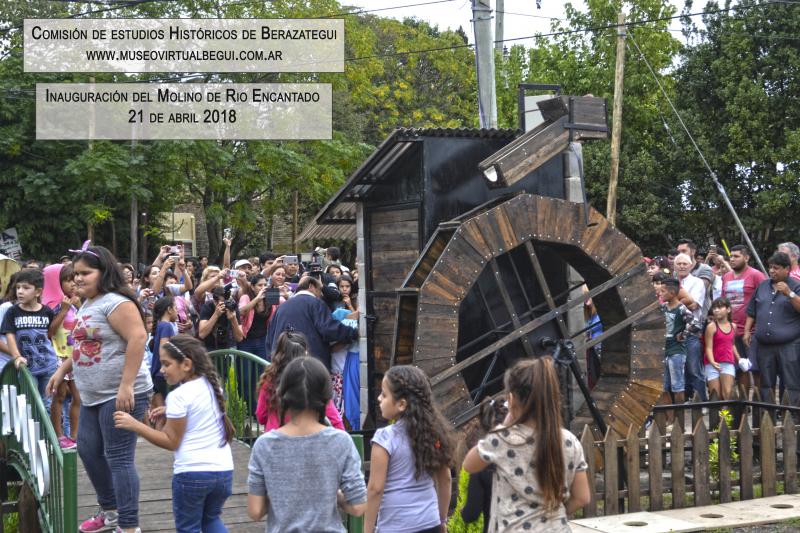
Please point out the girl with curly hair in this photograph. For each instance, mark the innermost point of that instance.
(290, 346)
(540, 472)
(409, 482)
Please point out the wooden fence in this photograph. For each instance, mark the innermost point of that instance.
(691, 469)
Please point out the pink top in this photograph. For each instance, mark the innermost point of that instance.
(270, 418)
(723, 345)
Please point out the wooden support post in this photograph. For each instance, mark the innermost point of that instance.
(616, 127)
(611, 482)
(746, 460)
(655, 470)
(587, 441)
(678, 462)
(789, 454)
(632, 466)
(724, 455)
(702, 492)
(767, 438)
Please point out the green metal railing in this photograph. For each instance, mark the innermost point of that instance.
(239, 372)
(32, 449)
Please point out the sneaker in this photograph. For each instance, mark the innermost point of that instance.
(67, 443)
(102, 521)
(120, 530)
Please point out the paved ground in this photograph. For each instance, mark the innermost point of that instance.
(782, 513)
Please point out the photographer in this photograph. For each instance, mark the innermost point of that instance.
(219, 321)
(256, 310)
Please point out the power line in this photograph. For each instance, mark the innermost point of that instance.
(713, 175)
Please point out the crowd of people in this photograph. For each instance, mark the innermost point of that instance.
(726, 321)
(116, 355)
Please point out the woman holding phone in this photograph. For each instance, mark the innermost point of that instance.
(256, 311)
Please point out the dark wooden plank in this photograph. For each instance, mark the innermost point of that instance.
(587, 441)
(746, 460)
(767, 447)
(394, 215)
(789, 454)
(702, 492)
(470, 232)
(654, 470)
(532, 152)
(713, 413)
(632, 470)
(678, 463)
(724, 454)
(610, 474)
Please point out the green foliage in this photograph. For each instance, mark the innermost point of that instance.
(455, 524)
(234, 403)
(726, 417)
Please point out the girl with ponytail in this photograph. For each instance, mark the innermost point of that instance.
(540, 477)
(197, 430)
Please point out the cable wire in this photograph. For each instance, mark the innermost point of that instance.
(713, 174)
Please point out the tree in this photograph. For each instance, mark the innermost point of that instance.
(737, 90)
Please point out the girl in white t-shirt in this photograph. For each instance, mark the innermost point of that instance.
(197, 430)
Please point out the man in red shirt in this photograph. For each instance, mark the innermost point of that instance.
(791, 249)
(738, 286)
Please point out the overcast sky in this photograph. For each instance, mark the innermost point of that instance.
(522, 19)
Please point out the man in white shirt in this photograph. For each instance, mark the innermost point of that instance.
(695, 376)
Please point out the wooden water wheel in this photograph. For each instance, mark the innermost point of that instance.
(490, 284)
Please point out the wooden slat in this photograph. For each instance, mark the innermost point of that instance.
(632, 470)
(702, 492)
(724, 454)
(746, 460)
(789, 454)
(394, 215)
(678, 463)
(713, 412)
(587, 441)
(471, 233)
(611, 474)
(655, 469)
(533, 152)
(767, 447)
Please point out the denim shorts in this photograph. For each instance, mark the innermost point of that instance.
(674, 372)
(729, 369)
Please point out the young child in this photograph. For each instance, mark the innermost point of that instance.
(59, 292)
(680, 322)
(540, 476)
(721, 356)
(290, 346)
(28, 327)
(409, 481)
(197, 430)
(479, 489)
(301, 473)
(165, 316)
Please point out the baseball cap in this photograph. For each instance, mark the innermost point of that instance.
(240, 263)
(647, 260)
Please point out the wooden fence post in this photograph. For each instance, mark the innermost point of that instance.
(713, 413)
(746, 460)
(678, 461)
(702, 495)
(654, 470)
(587, 441)
(767, 442)
(789, 454)
(724, 463)
(610, 474)
(697, 412)
(632, 464)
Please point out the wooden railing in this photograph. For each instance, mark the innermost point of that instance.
(713, 464)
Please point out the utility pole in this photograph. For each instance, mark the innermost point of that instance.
(484, 63)
(616, 129)
(499, 13)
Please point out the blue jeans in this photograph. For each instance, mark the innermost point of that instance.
(674, 373)
(41, 384)
(695, 376)
(197, 500)
(108, 457)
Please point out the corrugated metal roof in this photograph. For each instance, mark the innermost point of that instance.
(341, 206)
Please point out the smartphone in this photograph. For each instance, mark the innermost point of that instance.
(290, 260)
(712, 248)
(175, 249)
(175, 258)
(273, 296)
(226, 233)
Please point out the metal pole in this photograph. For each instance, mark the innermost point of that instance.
(499, 14)
(134, 217)
(484, 63)
(616, 128)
